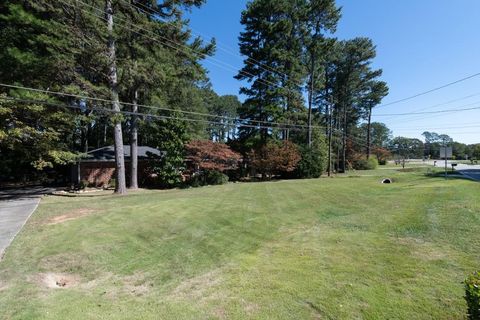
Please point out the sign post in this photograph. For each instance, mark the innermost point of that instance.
(446, 152)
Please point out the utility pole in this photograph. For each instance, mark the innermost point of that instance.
(445, 147)
(369, 132)
(446, 152)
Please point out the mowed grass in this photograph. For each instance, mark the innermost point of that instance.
(342, 248)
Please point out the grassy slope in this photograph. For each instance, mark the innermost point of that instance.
(345, 248)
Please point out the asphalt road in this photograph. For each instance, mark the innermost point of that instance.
(16, 206)
(468, 170)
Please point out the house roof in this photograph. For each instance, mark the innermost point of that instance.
(108, 153)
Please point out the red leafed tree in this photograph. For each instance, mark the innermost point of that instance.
(209, 155)
(382, 154)
(275, 158)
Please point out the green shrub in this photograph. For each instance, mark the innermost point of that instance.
(365, 164)
(312, 164)
(206, 178)
(112, 184)
(196, 181)
(83, 185)
(215, 178)
(314, 158)
(472, 295)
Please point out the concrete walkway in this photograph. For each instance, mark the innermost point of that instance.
(16, 206)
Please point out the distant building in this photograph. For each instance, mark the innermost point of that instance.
(97, 168)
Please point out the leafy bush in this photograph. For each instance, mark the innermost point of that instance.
(112, 184)
(164, 173)
(313, 162)
(209, 155)
(169, 136)
(209, 177)
(382, 155)
(196, 181)
(472, 295)
(365, 164)
(216, 178)
(82, 185)
(275, 158)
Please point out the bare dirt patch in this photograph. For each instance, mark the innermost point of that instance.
(220, 313)
(52, 280)
(72, 215)
(3, 286)
(136, 284)
(249, 307)
(425, 250)
(198, 287)
(117, 286)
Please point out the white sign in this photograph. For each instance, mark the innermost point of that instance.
(446, 152)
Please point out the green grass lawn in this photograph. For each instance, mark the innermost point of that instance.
(341, 248)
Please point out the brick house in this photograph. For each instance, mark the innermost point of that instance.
(97, 168)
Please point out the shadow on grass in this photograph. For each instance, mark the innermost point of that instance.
(450, 175)
(10, 194)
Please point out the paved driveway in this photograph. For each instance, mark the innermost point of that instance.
(16, 206)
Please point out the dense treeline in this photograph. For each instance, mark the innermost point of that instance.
(137, 52)
(130, 72)
(290, 53)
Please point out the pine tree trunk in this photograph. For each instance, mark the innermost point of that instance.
(105, 135)
(344, 144)
(310, 102)
(330, 131)
(369, 133)
(134, 144)
(337, 140)
(120, 187)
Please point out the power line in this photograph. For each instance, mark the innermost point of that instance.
(420, 118)
(430, 91)
(466, 125)
(153, 107)
(233, 68)
(440, 104)
(430, 112)
(449, 102)
(161, 117)
(272, 125)
(176, 46)
(255, 62)
(437, 128)
(350, 137)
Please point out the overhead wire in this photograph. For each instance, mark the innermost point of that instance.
(337, 132)
(439, 104)
(430, 91)
(130, 113)
(431, 112)
(175, 45)
(398, 101)
(249, 60)
(57, 93)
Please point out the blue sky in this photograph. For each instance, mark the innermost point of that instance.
(421, 44)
